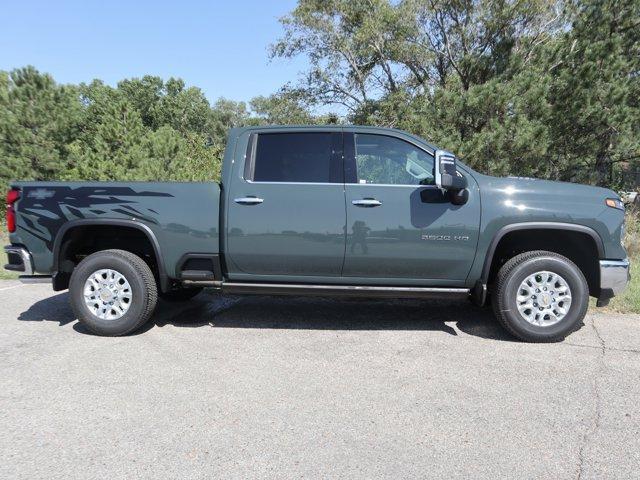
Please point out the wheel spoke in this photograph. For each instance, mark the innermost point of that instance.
(543, 298)
(107, 294)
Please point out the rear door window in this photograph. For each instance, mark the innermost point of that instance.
(299, 157)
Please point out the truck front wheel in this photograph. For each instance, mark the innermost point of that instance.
(113, 292)
(540, 296)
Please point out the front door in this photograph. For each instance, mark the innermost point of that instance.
(399, 225)
(286, 206)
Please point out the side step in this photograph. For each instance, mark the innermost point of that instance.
(197, 275)
(341, 290)
(35, 278)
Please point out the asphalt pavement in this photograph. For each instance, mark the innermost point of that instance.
(267, 387)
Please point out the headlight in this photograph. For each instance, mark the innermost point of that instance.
(614, 203)
(622, 229)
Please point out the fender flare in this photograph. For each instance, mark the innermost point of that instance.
(488, 259)
(57, 244)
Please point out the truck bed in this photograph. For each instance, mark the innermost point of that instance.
(182, 217)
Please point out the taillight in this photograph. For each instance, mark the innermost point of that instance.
(13, 196)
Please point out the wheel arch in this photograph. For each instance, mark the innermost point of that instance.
(61, 279)
(491, 261)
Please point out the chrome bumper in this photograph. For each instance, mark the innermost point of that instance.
(614, 276)
(25, 267)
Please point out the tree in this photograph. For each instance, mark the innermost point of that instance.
(546, 88)
(595, 92)
(287, 107)
(531, 87)
(347, 46)
(111, 146)
(361, 52)
(37, 120)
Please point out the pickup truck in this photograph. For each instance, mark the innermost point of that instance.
(335, 210)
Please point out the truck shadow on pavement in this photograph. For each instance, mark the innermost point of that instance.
(311, 313)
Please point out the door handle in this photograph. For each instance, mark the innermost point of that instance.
(367, 202)
(248, 200)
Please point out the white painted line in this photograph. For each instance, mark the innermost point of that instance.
(12, 286)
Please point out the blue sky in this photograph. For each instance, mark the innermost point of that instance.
(219, 46)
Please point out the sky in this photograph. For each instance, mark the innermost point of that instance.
(219, 46)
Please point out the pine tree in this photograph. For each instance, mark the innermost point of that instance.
(596, 90)
(38, 118)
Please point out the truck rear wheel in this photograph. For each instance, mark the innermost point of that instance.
(540, 296)
(113, 292)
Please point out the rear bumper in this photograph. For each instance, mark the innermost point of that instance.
(19, 260)
(614, 277)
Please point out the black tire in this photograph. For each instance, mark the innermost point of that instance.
(508, 281)
(144, 292)
(180, 295)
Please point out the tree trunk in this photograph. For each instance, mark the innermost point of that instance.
(602, 168)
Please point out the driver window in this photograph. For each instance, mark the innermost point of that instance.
(381, 159)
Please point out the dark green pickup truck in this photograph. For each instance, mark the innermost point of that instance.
(325, 211)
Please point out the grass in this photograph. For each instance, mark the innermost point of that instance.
(629, 300)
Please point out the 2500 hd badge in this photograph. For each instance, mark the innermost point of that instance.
(445, 238)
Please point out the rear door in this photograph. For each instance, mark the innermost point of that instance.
(286, 205)
(399, 224)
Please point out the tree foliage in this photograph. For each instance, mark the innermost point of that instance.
(545, 88)
(142, 129)
(525, 87)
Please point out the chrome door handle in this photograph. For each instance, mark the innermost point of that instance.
(367, 202)
(248, 200)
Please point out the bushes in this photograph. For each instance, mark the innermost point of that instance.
(144, 129)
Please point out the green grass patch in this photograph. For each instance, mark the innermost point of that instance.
(629, 300)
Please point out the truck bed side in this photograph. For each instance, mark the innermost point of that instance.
(181, 218)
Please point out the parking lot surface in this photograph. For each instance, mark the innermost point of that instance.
(260, 387)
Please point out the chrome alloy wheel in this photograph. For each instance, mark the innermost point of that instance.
(107, 294)
(544, 298)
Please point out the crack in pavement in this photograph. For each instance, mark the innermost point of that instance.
(599, 347)
(595, 424)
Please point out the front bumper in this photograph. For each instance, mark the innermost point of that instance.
(614, 277)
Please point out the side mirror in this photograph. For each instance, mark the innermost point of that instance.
(446, 174)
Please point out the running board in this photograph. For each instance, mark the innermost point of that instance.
(341, 290)
(35, 278)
